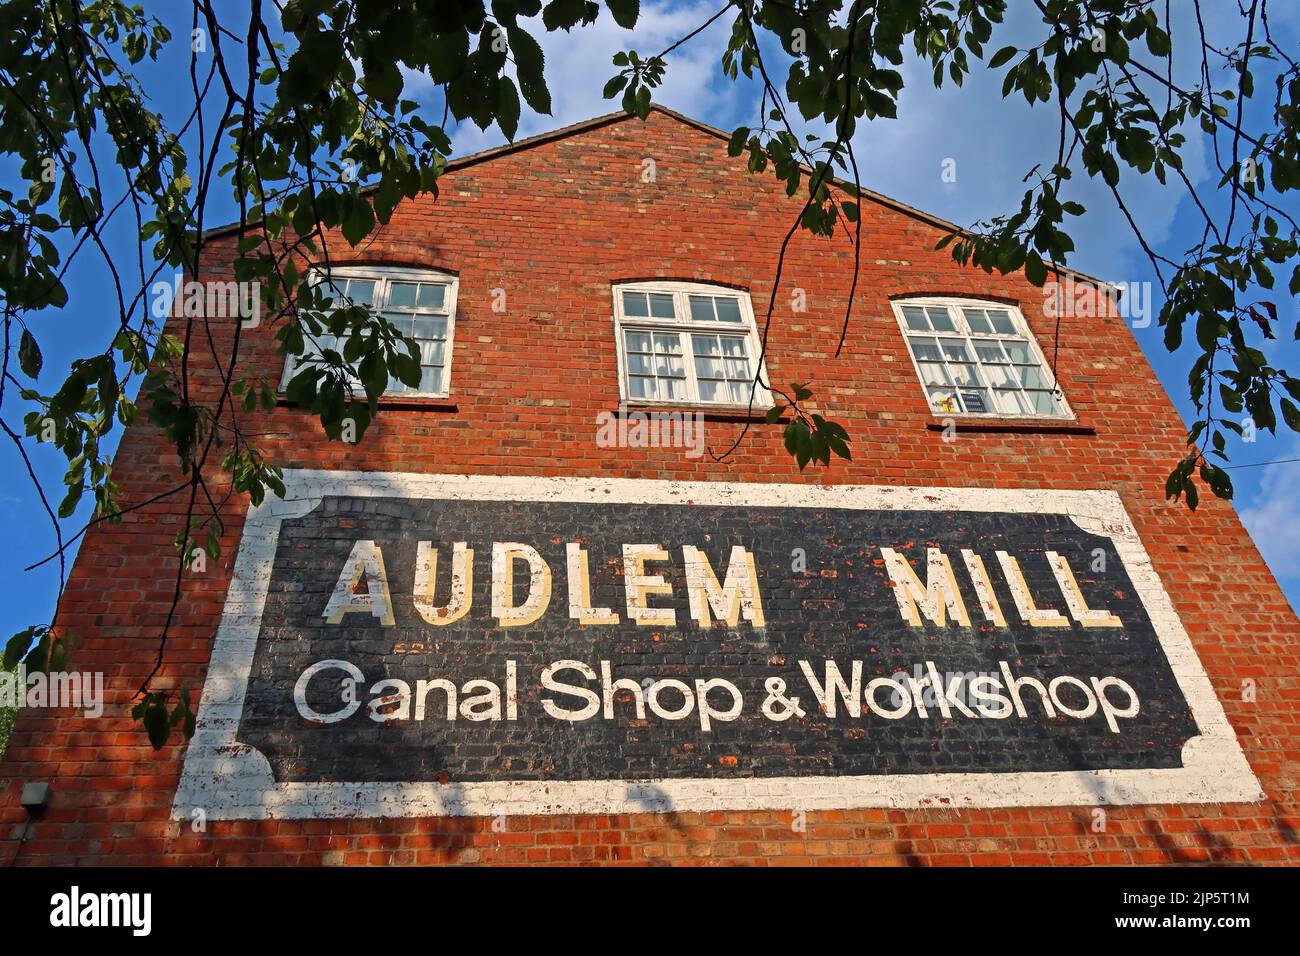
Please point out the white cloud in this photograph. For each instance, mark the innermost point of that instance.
(994, 142)
(578, 64)
(1273, 515)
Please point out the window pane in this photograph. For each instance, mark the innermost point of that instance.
(737, 369)
(326, 342)
(711, 391)
(1019, 352)
(634, 304)
(708, 367)
(989, 353)
(670, 366)
(402, 294)
(975, 400)
(976, 320)
(940, 319)
(668, 344)
(640, 387)
(733, 346)
(638, 364)
(1010, 403)
(740, 392)
(934, 374)
(661, 305)
(672, 388)
(943, 400)
(999, 376)
(1031, 376)
(429, 327)
(954, 350)
(1001, 320)
(402, 321)
(914, 316)
(637, 341)
(334, 289)
(925, 350)
(728, 309)
(431, 295)
(701, 308)
(431, 379)
(433, 353)
(963, 374)
(1043, 403)
(361, 291)
(706, 345)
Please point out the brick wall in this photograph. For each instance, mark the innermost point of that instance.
(554, 224)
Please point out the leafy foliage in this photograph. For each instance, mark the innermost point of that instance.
(7, 715)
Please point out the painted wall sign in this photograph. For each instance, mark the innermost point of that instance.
(419, 644)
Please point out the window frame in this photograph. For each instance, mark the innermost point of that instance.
(954, 305)
(683, 325)
(385, 275)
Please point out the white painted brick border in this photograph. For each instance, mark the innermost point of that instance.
(227, 780)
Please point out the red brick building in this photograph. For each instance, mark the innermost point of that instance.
(989, 524)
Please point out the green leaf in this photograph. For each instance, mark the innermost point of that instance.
(1035, 271)
(1291, 414)
(563, 14)
(29, 355)
(17, 646)
(529, 66)
(625, 12)
(1118, 49)
(736, 143)
(152, 712)
(358, 225)
(790, 436)
(70, 500)
(508, 108)
(1002, 56)
(1158, 41)
(614, 86)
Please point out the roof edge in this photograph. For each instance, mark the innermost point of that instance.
(541, 139)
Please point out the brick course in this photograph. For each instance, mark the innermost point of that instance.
(554, 224)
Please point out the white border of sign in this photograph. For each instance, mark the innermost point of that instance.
(227, 780)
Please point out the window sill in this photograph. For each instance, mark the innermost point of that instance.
(395, 403)
(711, 413)
(1012, 426)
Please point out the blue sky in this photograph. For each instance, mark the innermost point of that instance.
(992, 141)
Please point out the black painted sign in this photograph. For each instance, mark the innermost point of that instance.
(422, 639)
